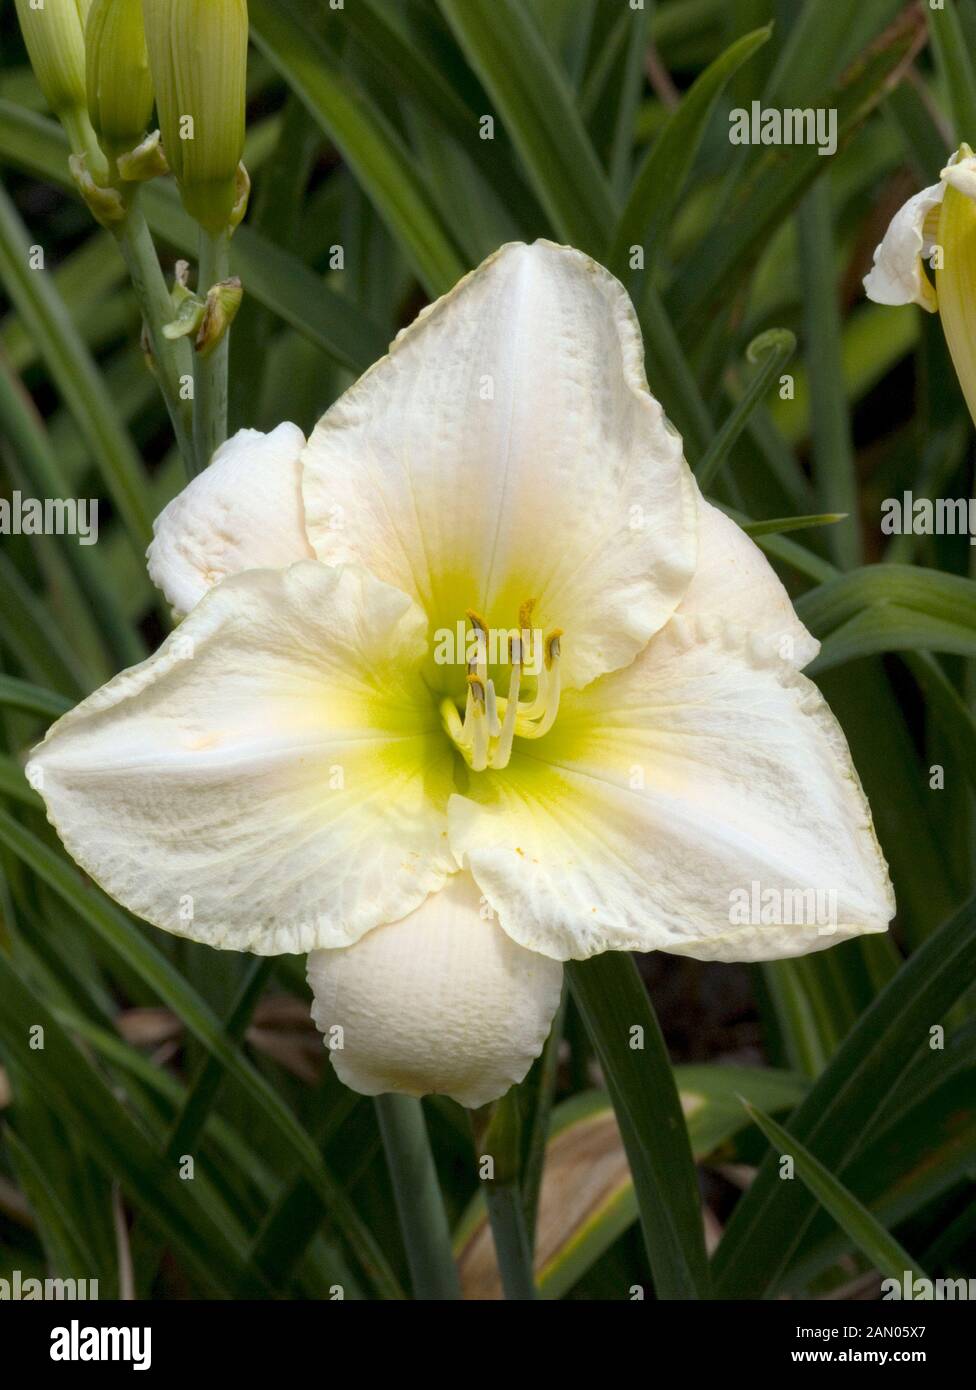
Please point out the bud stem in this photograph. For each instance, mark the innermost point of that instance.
(172, 360)
(503, 1198)
(210, 370)
(420, 1206)
(83, 141)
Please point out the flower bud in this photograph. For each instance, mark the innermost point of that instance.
(54, 35)
(956, 268)
(120, 94)
(198, 60)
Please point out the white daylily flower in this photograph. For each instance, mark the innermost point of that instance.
(939, 219)
(898, 275)
(292, 771)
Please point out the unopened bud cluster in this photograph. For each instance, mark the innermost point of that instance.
(100, 65)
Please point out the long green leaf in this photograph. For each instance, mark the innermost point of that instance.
(119, 1145)
(75, 375)
(125, 942)
(535, 102)
(613, 1001)
(373, 149)
(773, 183)
(865, 1231)
(660, 179)
(770, 1220)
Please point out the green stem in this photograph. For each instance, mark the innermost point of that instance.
(420, 1207)
(210, 371)
(503, 1197)
(83, 141)
(511, 1237)
(172, 359)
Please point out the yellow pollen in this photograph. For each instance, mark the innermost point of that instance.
(552, 646)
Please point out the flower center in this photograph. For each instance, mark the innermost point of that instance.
(492, 722)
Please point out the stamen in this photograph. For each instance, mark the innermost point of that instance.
(502, 752)
(490, 725)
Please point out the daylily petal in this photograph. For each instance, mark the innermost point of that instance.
(441, 1002)
(734, 581)
(274, 778)
(898, 276)
(663, 794)
(243, 512)
(508, 449)
(960, 172)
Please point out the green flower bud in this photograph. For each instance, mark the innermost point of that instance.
(120, 94)
(198, 60)
(55, 37)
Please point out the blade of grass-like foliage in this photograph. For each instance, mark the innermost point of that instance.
(922, 1147)
(890, 608)
(200, 1096)
(536, 104)
(118, 1144)
(272, 212)
(391, 51)
(278, 280)
(27, 436)
(89, 282)
(370, 145)
(668, 373)
(893, 628)
(233, 1154)
(772, 350)
(127, 944)
(833, 451)
(31, 633)
(778, 526)
(18, 694)
(13, 784)
(588, 1196)
(628, 92)
(611, 996)
(770, 1220)
(947, 708)
(897, 785)
(65, 1244)
(287, 1229)
(773, 182)
(953, 61)
(658, 183)
(821, 41)
(926, 144)
(76, 376)
(870, 1237)
(536, 1095)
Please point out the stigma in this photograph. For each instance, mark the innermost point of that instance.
(486, 733)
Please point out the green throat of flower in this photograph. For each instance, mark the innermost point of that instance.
(486, 732)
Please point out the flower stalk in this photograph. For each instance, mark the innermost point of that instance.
(420, 1206)
(171, 360)
(210, 368)
(503, 1198)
